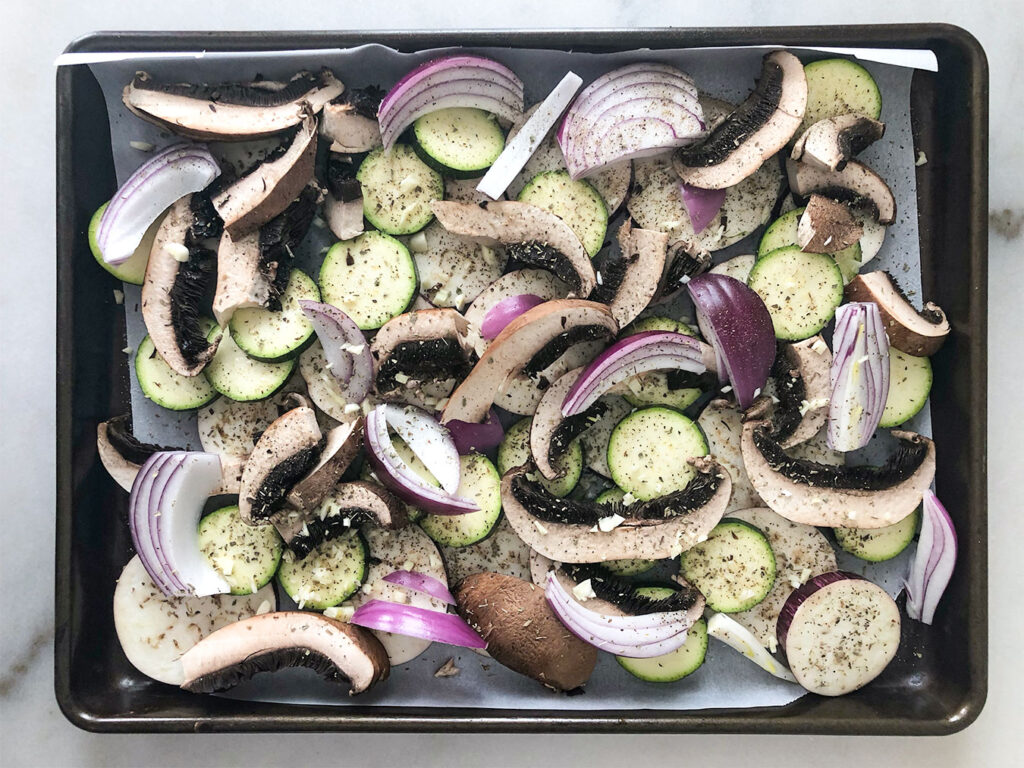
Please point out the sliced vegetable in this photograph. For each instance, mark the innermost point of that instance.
(246, 555)
(739, 638)
(421, 582)
(459, 142)
(859, 376)
(417, 622)
(477, 437)
(451, 81)
(634, 111)
(163, 511)
(168, 176)
(520, 148)
(395, 473)
(933, 562)
(877, 545)
(428, 440)
(134, 269)
(638, 353)
(505, 311)
(703, 205)
(348, 355)
(734, 568)
(737, 324)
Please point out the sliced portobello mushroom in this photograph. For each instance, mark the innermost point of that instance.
(284, 454)
(271, 186)
(123, 455)
(349, 121)
(343, 203)
(856, 184)
(271, 641)
(522, 632)
(551, 433)
(827, 226)
(532, 235)
(614, 596)
(757, 129)
(630, 280)
(801, 377)
(344, 507)
(831, 143)
(812, 493)
(178, 274)
(722, 425)
(340, 449)
(916, 332)
(253, 269)
(530, 343)
(569, 530)
(230, 111)
(420, 346)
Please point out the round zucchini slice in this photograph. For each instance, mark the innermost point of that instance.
(165, 386)
(459, 142)
(649, 452)
(480, 482)
(734, 568)
(328, 575)
(247, 556)
(272, 336)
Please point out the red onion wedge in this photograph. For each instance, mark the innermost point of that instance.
(399, 477)
(452, 81)
(401, 619)
(933, 562)
(621, 635)
(166, 177)
(165, 505)
(345, 348)
(859, 376)
(639, 353)
(521, 147)
(426, 438)
(701, 204)
(736, 323)
(421, 582)
(469, 436)
(632, 112)
(505, 311)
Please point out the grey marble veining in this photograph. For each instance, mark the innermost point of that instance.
(33, 731)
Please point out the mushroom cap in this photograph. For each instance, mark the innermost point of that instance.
(231, 111)
(645, 253)
(343, 444)
(910, 331)
(833, 507)
(546, 421)
(855, 182)
(268, 189)
(272, 641)
(829, 144)
(419, 325)
(827, 226)
(348, 131)
(157, 298)
(513, 348)
(508, 223)
(811, 360)
(757, 129)
(522, 632)
(633, 539)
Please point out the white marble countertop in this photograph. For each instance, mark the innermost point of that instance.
(33, 731)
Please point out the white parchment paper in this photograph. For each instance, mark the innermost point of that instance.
(727, 679)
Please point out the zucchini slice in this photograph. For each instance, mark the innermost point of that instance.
(839, 87)
(576, 203)
(879, 544)
(246, 556)
(514, 451)
(165, 386)
(734, 568)
(459, 142)
(238, 376)
(801, 290)
(480, 482)
(272, 336)
(910, 382)
(328, 575)
(398, 188)
(649, 452)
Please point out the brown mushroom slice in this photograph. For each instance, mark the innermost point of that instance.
(914, 332)
(855, 183)
(253, 269)
(630, 281)
(345, 218)
(537, 282)
(230, 111)
(522, 632)
(757, 129)
(177, 274)
(349, 128)
(271, 186)
(527, 341)
(831, 143)
(551, 433)
(343, 507)
(803, 388)
(122, 455)
(570, 531)
(423, 345)
(838, 496)
(271, 641)
(827, 226)
(617, 597)
(288, 449)
(342, 446)
(532, 235)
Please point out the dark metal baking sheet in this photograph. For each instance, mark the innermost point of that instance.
(96, 687)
